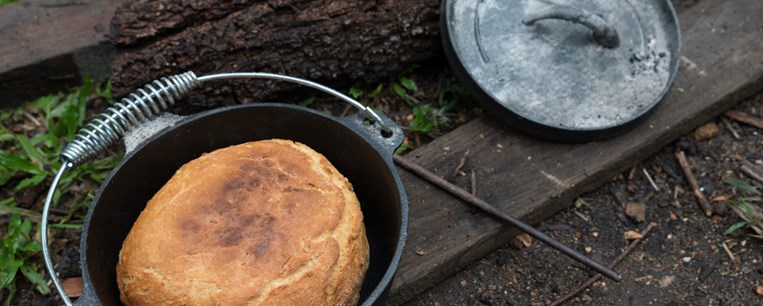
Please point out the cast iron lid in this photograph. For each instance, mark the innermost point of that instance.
(570, 70)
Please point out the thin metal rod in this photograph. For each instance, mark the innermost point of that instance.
(370, 113)
(44, 235)
(496, 213)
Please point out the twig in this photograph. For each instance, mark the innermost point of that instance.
(611, 265)
(728, 252)
(731, 128)
(474, 183)
(500, 215)
(581, 216)
(693, 183)
(461, 163)
(651, 181)
(632, 173)
(747, 169)
(744, 118)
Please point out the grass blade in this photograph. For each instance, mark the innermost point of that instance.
(34, 277)
(34, 153)
(744, 186)
(735, 227)
(14, 162)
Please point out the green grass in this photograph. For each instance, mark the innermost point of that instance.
(4, 2)
(427, 114)
(751, 214)
(31, 138)
(17, 251)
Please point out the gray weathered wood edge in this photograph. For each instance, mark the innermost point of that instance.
(48, 45)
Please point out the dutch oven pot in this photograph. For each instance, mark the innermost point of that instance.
(359, 146)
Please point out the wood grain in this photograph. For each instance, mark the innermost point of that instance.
(41, 41)
(532, 179)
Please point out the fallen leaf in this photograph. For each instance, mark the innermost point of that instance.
(522, 240)
(666, 280)
(631, 235)
(673, 216)
(705, 132)
(420, 252)
(636, 211)
(759, 290)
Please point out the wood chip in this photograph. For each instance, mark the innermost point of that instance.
(72, 286)
(632, 235)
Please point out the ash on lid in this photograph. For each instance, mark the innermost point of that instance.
(138, 135)
(552, 72)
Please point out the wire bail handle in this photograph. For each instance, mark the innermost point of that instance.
(137, 108)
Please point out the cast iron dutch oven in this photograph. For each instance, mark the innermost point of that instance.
(359, 146)
(566, 70)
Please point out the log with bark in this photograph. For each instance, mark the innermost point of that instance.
(336, 42)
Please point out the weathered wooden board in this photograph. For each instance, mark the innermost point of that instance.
(45, 44)
(532, 179)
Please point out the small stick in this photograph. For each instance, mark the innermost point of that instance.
(461, 163)
(500, 215)
(474, 183)
(731, 128)
(632, 173)
(746, 169)
(744, 118)
(728, 252)
(651, 181)
(579, 214)
(611, 265)
(693, 182)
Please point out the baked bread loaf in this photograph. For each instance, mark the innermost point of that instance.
(268, 222)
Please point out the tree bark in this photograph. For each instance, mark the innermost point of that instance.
(335, 42)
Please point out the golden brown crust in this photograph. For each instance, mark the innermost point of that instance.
(262, 223)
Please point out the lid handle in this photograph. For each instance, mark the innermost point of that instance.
(603, 34)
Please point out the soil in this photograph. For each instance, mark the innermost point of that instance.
(682, 261)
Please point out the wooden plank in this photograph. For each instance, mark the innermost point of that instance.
(532, 179)
(47, 44)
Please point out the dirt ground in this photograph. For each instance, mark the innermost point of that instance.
(682, 261)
